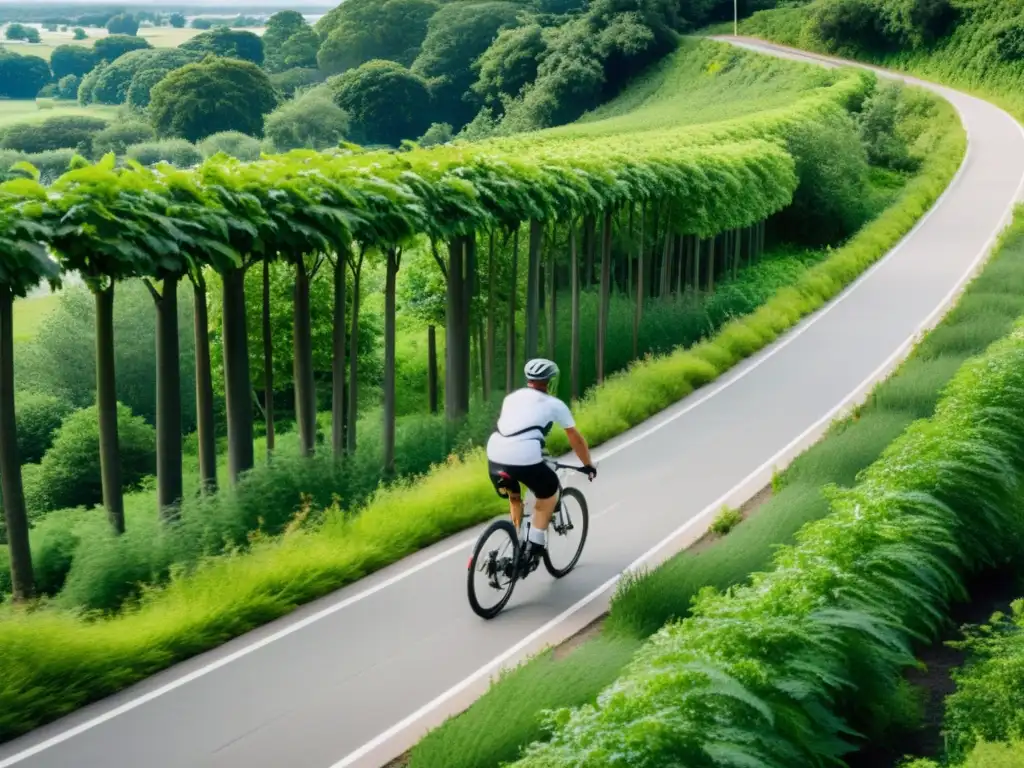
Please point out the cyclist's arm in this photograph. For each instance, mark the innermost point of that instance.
(579, 445)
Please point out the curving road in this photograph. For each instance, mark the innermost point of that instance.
(356, 678)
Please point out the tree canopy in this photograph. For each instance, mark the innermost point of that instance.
(362, 30)
(21, 77)
(210, 96)
(386, 102)
(113, 84)
(177, 20)
(123, 24)
(71, 60)
(230, 43)
(510, 63)
(457, 35)
(111, 47)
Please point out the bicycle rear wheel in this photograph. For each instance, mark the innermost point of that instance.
(496, 558)
(567, 533)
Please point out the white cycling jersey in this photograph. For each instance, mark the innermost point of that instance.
(527, 416)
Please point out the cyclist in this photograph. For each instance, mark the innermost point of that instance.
(515, 450)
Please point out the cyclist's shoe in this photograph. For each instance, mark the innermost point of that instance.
(531, 558)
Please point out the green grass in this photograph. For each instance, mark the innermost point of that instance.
(29, 313)
(30, 110)
(51, 662)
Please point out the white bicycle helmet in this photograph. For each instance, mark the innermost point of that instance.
(540, 369)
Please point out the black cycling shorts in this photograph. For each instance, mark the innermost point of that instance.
(539, 478)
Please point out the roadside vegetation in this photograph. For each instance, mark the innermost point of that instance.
(715, 287)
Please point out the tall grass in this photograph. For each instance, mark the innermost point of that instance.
(784, 669)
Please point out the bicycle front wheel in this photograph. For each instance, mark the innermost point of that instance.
(567, 533)
(493, 568)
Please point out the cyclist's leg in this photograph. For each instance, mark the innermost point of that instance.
(508, 487)
(543, 481)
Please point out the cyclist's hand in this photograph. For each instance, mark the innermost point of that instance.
(591, 471)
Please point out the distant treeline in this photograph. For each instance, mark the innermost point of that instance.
(83, 13)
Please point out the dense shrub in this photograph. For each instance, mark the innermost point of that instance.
(232, 143)
(178, 152)
(310, 121)
(118, 136)
(289, 81)
(844, 24)
(39, 417)
(70, 131)
(67, 87)
(830, 200)
(70, 470)
(387, 102)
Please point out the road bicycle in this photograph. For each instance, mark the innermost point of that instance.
(503, 562)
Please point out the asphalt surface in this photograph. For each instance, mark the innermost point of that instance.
(310, 690)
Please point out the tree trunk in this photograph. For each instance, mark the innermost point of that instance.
(468, 291)
(237, 387)
(638, 310)
(454, 331)
(680, 262)
(393, 260)
(735, 252)
(268, 361)
(491, 323)
(15, 512)
(575, 331)
(480, 353)
(589, 246)
(302, 339)
(666, 265)
(552, 306)
(711, 264)
(106, 400)
(510, 338)
(696, 263)
(168, 401)
(204, 390)
(353, 354)
(606, 264)
(432, 368)
(533, 289)
(338, 360)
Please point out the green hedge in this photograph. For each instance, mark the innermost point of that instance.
(777, 671)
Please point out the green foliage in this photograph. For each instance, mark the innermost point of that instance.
(60, 361)
(123, 24)
(210, 96)
(39, 416)
(112, 47)
(363, 30)
(79, 34)
(71, 60)
(310, 121)
(118, 136)
(231, 43)
(21, 77)
(177, 20)
(178, 152)
(290, 81)
(457, 35)
(21, 32)
(437, 133)
(70, 470)
(988, 703)
(385, 101)
(727, 519)
(70, 131)
(231, 143)
(510, 63)
(67, 87)
(113, 84)
(281, 26)
(298, 51)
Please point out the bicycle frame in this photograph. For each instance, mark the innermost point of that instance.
(529, 498)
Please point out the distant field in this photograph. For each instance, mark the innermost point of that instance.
(159, 37)
(29, 313)
(29, 111)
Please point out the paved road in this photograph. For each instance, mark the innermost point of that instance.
(397, 652)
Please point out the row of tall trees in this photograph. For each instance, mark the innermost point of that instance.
(110, 224)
